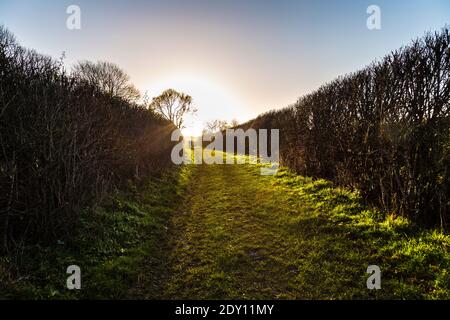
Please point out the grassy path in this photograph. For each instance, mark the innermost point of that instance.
(226, 232)
(229, 243)
(243, 235)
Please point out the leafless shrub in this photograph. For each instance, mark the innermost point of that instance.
(64, 143)
(383, 130)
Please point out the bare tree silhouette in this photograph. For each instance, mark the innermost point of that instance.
(383, 130)
(110, 78)
(66, 141)
(173, 106)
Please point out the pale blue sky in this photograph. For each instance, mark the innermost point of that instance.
(238, 58)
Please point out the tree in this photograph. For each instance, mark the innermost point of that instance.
(7, 41)
(212, 127)
(234, 123)
(173, 106)
(107, 76)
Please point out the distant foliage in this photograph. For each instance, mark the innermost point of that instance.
(384, 130)
(214, 126)
(64, 143)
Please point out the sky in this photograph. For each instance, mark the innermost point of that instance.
(236, 58)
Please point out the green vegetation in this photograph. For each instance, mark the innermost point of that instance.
(110, 246)
(226, 232)
(243, 235)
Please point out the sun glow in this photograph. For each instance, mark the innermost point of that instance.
(211, 100)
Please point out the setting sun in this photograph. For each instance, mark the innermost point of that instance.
(212, 100)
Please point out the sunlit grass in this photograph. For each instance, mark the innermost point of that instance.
(227, 232)
(244, 235)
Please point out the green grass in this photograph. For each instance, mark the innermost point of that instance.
(113, 242)
(243, 235)
(226, 232)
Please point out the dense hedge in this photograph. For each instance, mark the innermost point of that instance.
(64, 144)
(383, 130)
